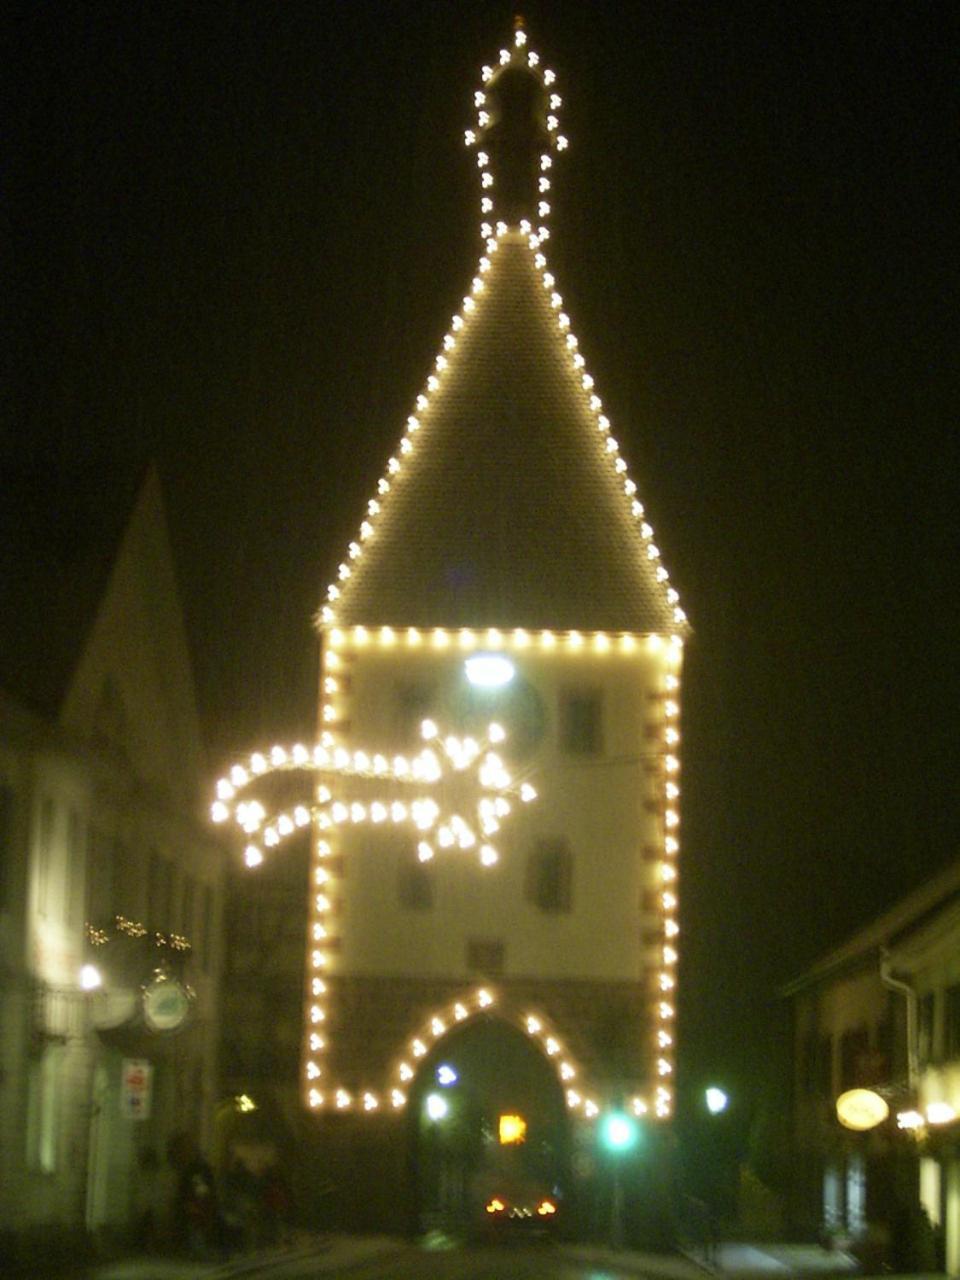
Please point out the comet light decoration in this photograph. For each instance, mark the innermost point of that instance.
(456, 793)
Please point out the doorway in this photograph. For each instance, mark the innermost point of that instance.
(486, 1108)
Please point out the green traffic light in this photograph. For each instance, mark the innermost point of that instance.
(716, 1100)
(618, 1131)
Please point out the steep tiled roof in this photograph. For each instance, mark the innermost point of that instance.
(58, 540)
(508, 510)
(508, 504)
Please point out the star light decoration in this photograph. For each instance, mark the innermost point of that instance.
(467, 775)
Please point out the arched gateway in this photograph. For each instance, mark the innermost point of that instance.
(504, 572)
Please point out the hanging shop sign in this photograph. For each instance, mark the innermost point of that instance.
(166, 1004)
(861, 1109)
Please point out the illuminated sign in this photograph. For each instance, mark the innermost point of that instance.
(512, 1130)
(861, 1109)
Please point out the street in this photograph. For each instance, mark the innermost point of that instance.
(520, 1260)
(435, 1256)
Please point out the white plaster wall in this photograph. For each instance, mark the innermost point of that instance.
(858, 1000)
(597, 803)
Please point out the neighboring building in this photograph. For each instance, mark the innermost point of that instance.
(882, 1013)
(260, 1117)
(104, 862)
(505, 526)
(926, 958)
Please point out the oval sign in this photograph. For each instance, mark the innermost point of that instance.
(166, 1004)
(861, 1109)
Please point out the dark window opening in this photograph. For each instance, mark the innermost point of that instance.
(414, 704)
(45, 869)
(581, 722)
(485, 955)
(550, 876)
(855, 1058)
(951, 1022)
(6, 841)
(159, 892)
(925, 1042)
(206, 928)
(414, 883)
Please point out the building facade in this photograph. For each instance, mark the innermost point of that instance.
(880, 1014)
(109, 916)
(504, 574)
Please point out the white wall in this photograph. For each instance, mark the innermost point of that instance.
(597, 803)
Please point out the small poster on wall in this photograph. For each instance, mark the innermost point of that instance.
(136, 1087)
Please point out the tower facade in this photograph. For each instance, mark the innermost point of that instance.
(504, 573)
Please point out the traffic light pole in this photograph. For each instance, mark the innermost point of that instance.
(616, 1206)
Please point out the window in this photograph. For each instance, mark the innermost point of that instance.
(43, 1110)
(75, 867)
(823, 1068)
(6, 841)
(189, 908)
(414, 704)
(581, 722)
(550, 876)
(99, 878)
(815, 1065)
(854, 1058)
(206, 928)
(126, 882)
(415, 882)
(951, 1022)
(159, 887)
(925, 1016)
(485, 955)
(45, 856)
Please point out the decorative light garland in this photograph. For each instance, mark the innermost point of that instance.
(438, 1023)
(99, 937)
(493, 233)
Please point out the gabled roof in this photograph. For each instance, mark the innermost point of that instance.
(886, 930)
(508, 504)
(58, 542)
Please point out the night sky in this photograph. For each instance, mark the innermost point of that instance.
(234, 235)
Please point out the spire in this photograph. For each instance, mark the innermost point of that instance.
(516, 134)
(508, 503)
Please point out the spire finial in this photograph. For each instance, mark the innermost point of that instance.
(517, 129)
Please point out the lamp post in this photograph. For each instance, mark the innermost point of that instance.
(618, 1134)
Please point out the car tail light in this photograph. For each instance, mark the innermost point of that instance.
(496, 1205)
(546, 1208)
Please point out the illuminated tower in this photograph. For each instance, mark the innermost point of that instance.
(505, 571)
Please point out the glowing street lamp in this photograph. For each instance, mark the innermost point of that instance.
(436, 1106)
(716, 1099)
